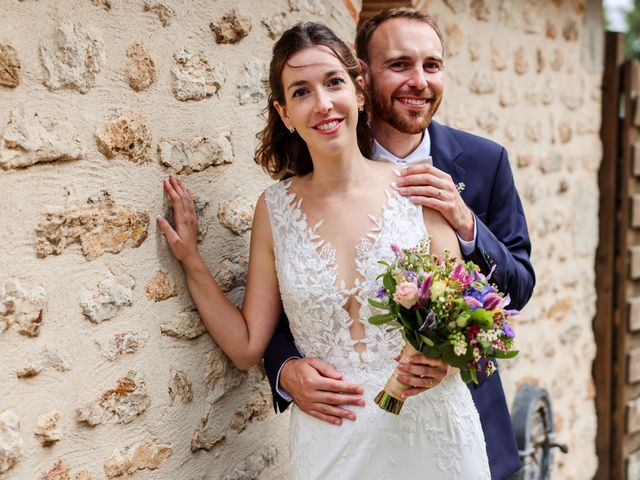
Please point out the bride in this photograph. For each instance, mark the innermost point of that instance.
(315, 243)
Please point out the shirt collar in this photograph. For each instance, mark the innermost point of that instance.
(422, 151)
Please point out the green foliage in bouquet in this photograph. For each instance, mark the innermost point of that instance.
(446, 309)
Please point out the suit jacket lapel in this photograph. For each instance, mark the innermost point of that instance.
(444, 150)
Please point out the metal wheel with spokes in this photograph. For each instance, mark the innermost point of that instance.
(532, 419)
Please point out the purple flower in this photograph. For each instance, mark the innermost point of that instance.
(460, 274)
(411, 276)
(429, 322)
(473, 302)
(381, 292)
(508, 331)
(491, 301)
(398, 251)
(425, 288)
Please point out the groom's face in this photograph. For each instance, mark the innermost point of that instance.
(404, 74)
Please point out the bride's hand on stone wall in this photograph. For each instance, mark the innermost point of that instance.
(183, 239)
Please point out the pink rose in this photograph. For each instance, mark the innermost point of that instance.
(406, 294)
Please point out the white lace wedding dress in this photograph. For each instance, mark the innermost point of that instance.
(438, 433)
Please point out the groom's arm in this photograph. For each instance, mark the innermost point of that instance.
(280, 349)
(502, 239)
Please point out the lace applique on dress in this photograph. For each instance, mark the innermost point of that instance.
(438, 434)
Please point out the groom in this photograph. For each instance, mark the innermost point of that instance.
(402, 54)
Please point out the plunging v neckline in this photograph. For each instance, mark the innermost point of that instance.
(364, 245)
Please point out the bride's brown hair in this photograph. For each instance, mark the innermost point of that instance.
(281, 152)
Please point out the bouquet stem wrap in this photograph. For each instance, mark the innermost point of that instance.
(390, 399)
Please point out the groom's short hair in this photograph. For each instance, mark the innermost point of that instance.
(365, 32)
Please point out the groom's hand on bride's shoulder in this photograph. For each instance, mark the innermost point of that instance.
(318, 389)
(422, 373)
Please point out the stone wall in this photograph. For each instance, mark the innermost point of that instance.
(105, 369)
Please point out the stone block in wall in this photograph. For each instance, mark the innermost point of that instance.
(498, 57)
(232, 273)
(251, 86)
(73, 57)
(315, 7)
(258, 408)
(634, 314)
(184, 325)
(570, 31)
(108, 297)
(31, 369)
(277, 24)
(60, 471)
(99, 226)
(125, 342)
(508, 95)
(195, 154)
(140, 69)
(488, 121)
(142, 456)
(221, 375)
(634, 262)
(633, 465)
(584, 218)
(54, 358)
(635, 158)
(164, 12)
(105, 4)
(236, 214)
(572, 102)
(633, 365)
(482, 84)
(121, 404)
(9, 66)
(456, 6)
(480, 10)
(47, 358)
(29, 139)
(521, 64)
(201, 439)
(126, 135)
(231, 28)
(552, 162)
(180, 386)
(10, 440)
(22, 305)
(455, 37)
(47, 429)
(551, 31)
(160, 287)
(193, 78)
(254, 465)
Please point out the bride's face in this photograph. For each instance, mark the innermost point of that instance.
(321, 101)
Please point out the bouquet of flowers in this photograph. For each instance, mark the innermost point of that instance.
(443, 308)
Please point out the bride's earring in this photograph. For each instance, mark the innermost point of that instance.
(291, 129)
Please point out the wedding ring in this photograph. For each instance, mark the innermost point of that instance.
(430, 382)
(439, 194)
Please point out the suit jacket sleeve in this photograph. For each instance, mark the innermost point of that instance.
(502, 239)
(280, 349)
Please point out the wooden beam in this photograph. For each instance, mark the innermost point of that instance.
(606, 252)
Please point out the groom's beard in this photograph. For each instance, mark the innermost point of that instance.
(405, 121)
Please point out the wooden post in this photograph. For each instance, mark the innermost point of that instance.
(606, 252)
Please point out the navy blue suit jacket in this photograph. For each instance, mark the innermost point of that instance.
(502, 241)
